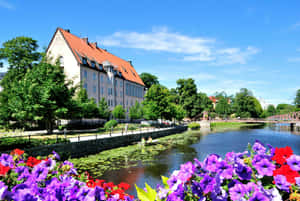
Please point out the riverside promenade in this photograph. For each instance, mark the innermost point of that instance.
(84, 145)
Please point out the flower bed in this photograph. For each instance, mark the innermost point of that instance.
(261, 173)
(32, 179)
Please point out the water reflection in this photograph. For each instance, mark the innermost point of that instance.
(199, 146)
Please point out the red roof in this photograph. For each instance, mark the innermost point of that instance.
(82, 48)
(213, 99)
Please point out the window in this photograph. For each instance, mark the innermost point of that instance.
(116, 82)
(121, 84)
(94, 76)
(102, 78)
(85, 74)
(108, 102)
(93, 64)
(94, 89)
(126, 102)
(127, 89)
(108, 80)
(61, 61)
(85, 86)
(84, 61)
(102, 91)
(121, 93)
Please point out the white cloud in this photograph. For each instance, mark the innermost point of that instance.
(201, 49)
(294, 59)
(296, 25)
(202, 76)
(6, 4)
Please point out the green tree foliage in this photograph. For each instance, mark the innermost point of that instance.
(246, 105)
(136, 111)
(103, 109)
(42, 96)
(149, 79)
(118, 112)
(179, 112)
(20, 53)
(284, 108)
(86, 108)
(157, 103)
(271, 110)
(223, 107)
(110, 124)
(297, 99)
(187, 91)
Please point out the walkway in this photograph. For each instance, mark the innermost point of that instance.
(102, 136)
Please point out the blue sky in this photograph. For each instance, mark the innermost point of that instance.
(223, 45)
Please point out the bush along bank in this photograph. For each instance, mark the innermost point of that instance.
(25, 178)
(261, 173)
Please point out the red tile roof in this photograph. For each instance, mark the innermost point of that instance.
(213, 99)
(92, 52)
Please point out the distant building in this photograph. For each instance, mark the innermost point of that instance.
(101, 73)
(215, 100)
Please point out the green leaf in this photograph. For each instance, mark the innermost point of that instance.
(150, 195)
(164, 180)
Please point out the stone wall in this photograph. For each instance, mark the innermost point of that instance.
(79, 149)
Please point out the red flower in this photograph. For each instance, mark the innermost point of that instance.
(119, 192)
(31, 161)
(108, 186)
(91, 183)
(287, 172)
(281, 154)
(3, 169)
(17, 152)
(99, 182)
(124, 186)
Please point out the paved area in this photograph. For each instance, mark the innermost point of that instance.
(101, 136)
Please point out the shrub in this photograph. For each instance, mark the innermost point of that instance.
(194, 126)
(110, 124)
(119, 112)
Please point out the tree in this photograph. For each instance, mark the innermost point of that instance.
(20, 53)
(187, 91)
(42, 97)
(297, 99)
(118, 112)
(103, 109)
(157, 103)
(179, 112)
(284, 108)
(271, 110)
(149, 79)
(86, 107)
(246, 105)
(222, 107)
(136, 111)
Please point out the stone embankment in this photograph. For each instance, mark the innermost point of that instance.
(94, 144)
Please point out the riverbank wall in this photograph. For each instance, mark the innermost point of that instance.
(83, 148)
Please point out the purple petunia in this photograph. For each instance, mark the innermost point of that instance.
(294, 162)
(39, 172)
(224, 170)
(264, 167)
(211, 162)
(244, 172)
(258, 196)
(258, 147)
(282, 183)
(237, 192)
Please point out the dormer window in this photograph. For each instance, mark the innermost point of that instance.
(84, 61)
(93, 64)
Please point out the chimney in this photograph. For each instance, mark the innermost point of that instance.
(86, 40)
(130, 62)
(95, 44)
(68, 30)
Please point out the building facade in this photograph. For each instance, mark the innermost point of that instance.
(101, 73)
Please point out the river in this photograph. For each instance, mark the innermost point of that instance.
(214, 142)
